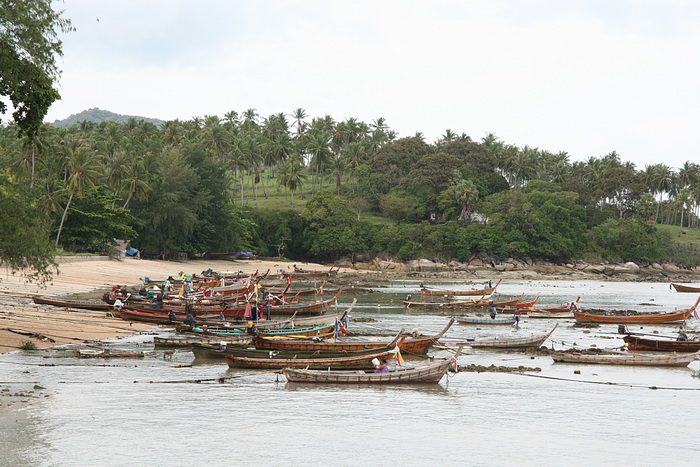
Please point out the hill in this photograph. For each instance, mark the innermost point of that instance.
(97, 115)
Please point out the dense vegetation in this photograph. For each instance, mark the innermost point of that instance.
(318, 189)
(312, 188)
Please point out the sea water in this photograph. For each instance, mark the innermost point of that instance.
(154, 411)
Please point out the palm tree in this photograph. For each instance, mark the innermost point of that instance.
(83, 173)
(299, 116)
(319, 148)
(685, 201)
(135, 181)
(291, 175)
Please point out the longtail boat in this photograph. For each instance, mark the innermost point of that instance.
(323, 331)
(409, 344)
(449, 305)
(220, 350)
(550, 314)
(534, 340)
(627, 358)
(427, 373)
(640, 318)
(97, 305)
(188, 341)
(301, 273)
(309, 309)
(660, 345)
(485, 291)
(486, 321)
(363, 361)
(685, 288)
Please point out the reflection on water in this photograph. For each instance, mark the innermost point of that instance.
(170, 412)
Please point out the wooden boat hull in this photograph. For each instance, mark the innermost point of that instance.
(685, 288)
(412, 344)
(350, 362)
(433, 306)
(430, 373)
(660, 345)
(96, 305)
(436, 292)
(486, 321)
(179, 341)
(635, 359)
(642, 318)
(534, 340)
(220, 351)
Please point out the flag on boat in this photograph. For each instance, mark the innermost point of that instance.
(397, 352)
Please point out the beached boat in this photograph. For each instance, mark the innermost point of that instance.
(302, 273)
(188, 341)
(470, 292)
(550, 314)
(309, 309)
(220, 350)
(639, 318)
(486, 321)
(322, 332)
(685, 288)
(409, 344)
(108, 353)
(427, 373)
(533, 340)
(460, 304)
(660, 345)
(363, 361)
(627, 358)
(97, 305)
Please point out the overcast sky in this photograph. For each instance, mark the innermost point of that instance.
(587, 77)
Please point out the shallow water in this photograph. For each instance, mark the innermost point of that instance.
(141, 412)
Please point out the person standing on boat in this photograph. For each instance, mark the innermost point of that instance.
(494, 311)
(517, 318)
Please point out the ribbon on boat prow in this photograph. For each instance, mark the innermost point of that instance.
(454, 359)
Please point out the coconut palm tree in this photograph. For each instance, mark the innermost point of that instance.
(135, 181)
(83, 173)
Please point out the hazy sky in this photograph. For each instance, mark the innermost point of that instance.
(587, 77)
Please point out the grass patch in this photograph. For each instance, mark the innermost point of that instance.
(28, 345)
(689, 236)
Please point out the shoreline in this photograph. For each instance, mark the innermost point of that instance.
(91, 275)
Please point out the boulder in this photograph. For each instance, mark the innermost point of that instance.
(631, 266)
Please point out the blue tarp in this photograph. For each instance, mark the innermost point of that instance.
(244, 254)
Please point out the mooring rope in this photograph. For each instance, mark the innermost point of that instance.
(605, 383)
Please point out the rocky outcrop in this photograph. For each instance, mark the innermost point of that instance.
(529, 268)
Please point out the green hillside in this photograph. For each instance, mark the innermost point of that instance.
(98, 115)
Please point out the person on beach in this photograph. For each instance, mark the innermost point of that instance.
(494, 311)
(190, 320)
(517, 318)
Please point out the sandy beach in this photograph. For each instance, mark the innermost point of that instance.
(55, 326)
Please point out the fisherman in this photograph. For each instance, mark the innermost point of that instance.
(381, 366)
(172, 317)
(190, 320)
(517, 318)
(250, 329)
(682, 336)
(494, 311)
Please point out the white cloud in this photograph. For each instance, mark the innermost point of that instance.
(583, 77)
